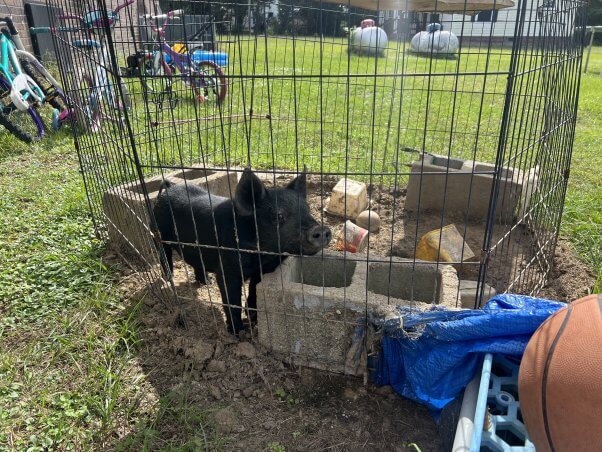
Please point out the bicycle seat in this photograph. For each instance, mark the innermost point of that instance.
(87, 44)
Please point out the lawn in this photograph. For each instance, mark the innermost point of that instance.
(68, 372)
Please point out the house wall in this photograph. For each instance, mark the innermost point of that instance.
(559, 22)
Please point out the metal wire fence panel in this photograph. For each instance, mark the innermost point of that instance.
(222, 142)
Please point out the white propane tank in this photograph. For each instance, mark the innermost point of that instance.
(435, 40)
(369, 41)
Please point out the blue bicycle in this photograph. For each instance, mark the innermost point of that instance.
(19, 94)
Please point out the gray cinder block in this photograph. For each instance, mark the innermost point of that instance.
(451, 184)
(310, 308)
(126, 213)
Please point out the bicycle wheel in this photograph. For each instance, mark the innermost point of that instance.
(54, 102)
(25, 125)
(105, 102)
(156, 81)
(53, 96)
(209, 81)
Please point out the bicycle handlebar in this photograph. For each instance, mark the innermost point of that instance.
(8, 20)
(123, 5)
(153, 19)
(41, 30)
(69, 16)
(82, 19)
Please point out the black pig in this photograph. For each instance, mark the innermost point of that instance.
(275, 220)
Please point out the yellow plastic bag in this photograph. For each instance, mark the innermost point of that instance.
(451, 248)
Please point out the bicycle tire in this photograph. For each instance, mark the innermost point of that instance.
(7, 109)
(100, 108)
(54, 99)
(53, 96)
(217, 86)
(156, 92)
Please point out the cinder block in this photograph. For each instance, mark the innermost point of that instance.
(453, 182)
(468, 293)
(348, 199)
(312, 307)
(127, 215)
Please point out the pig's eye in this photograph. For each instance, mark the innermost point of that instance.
(281, 217)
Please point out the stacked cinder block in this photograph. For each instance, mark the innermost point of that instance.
(438, 182)
(313, 307)
(126, 211)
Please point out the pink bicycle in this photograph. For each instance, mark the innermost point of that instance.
(157, 67)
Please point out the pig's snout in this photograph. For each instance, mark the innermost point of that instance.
(319, 236)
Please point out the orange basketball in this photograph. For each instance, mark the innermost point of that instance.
(560, 379)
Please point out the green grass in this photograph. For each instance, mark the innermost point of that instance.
(68, 372)
(582, 221)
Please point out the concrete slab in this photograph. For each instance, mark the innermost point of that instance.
(127, 215)
(450, 184)
(312, 308)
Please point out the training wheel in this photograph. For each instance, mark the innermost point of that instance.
(56, 123)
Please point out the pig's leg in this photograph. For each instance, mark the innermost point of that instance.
(252, 299)
(230, 291)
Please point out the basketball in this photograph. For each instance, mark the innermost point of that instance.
(560, 379)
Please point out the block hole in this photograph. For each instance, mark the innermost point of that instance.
(151, 186)
(316, 271)
(405, 281)
(194, 173)
(448, 163)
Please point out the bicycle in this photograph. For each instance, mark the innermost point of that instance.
(106, 96)
(19, 95)
(52, 90)
(156, 68)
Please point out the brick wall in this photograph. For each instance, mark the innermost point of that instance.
(16, 9)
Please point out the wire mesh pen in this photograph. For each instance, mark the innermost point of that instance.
(452, 117)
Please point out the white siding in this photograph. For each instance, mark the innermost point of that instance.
(506, 18)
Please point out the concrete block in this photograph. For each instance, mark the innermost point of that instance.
(468, 293)
(348, 199)
(126, 212)
(453, 181)
(310, 308)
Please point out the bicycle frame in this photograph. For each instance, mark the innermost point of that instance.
(23, 88)
(182, 61)
(99, 80)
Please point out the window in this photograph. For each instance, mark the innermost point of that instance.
(485, 16)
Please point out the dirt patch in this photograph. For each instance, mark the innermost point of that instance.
(253, 400)
(570, 278)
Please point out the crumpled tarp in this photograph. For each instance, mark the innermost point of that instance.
(438, 352)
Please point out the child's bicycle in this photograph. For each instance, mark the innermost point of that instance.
(25, 87)
(157, 67)
(54, 99)
(101, 95)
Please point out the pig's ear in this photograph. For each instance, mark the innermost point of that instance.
(250, 191)
(299, 183)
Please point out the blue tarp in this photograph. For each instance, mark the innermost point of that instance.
(436, 366)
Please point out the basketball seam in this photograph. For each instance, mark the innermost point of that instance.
(544, 382)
